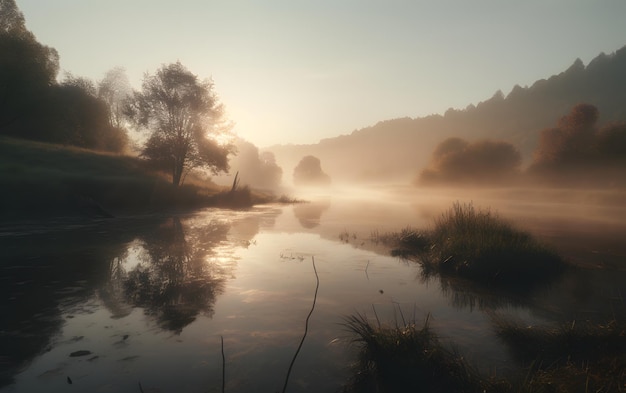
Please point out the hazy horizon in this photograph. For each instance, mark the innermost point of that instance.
(298, 73)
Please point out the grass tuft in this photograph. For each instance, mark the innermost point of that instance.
(576, 356)
(479, 246)
(407, 357)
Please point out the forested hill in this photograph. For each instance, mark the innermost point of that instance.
(396, 149)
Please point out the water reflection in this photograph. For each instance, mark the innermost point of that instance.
(174, 280)
(172, 268)
(309, 214)
(153, 281)
(44, 275)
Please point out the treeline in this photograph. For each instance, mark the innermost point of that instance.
(577, 151)
(392, 149)
(34, 105)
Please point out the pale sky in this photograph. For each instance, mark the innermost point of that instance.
(295, 71)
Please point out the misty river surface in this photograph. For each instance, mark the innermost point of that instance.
(145, 301)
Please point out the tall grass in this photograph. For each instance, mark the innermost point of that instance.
(407, 357)
(480, 246)
(574, 357)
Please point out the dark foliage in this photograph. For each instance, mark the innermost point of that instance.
(479, 246)
(181, 113)
(484, 162)
(577, 151)
(408, 358)
(34, 106)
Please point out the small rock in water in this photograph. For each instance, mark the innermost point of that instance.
(80, 353)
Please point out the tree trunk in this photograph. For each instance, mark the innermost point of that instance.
(177, 173)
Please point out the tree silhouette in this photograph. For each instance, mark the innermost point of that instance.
(577, 151)
(256, 169)
(309, 172)
(456, 160)
(181, 114)
(27, 70)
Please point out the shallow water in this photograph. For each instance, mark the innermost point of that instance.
(150, 298)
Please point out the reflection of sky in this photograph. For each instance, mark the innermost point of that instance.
(266, 260)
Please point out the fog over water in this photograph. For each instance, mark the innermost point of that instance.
(149, 298)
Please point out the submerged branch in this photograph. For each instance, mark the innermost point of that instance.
(306, 327)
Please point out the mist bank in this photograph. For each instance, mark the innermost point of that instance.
(395, 150)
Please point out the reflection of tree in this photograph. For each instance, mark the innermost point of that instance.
(175, 282)
(309, 214)
(113, 291)
(581, 294)
(45, 275)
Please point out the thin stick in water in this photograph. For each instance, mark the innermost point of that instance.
(376, 315)
(306, 327)
(223, 365)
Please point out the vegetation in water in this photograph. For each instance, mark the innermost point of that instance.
(410, 357)
(407, 357)
(479, 246)
(579, 356)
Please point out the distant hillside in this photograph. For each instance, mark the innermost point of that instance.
(394, 150)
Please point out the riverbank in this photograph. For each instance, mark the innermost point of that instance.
(44, 181)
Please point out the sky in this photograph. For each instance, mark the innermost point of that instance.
(294, 71)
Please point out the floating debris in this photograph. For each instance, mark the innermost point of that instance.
(80, 353)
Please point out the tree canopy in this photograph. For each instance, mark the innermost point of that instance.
(256, 169)
(182, 116)
(309, 172)
(456, 160)
(579, 151)
(33, 105)
(27, 70)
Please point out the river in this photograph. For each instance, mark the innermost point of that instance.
(143, 303)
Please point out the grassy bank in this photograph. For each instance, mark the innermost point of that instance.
(42, 180)
(411, 358)
(479, 246)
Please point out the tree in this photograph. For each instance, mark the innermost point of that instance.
(309, 172)
(455, 160)
(257, 169)
(76, 116)
(181, 114)
(27, 70)
(115, 91)
(571, 142)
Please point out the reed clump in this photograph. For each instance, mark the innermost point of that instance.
(480, 246)
(407, 357)
(575, 357)
(579, 356)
